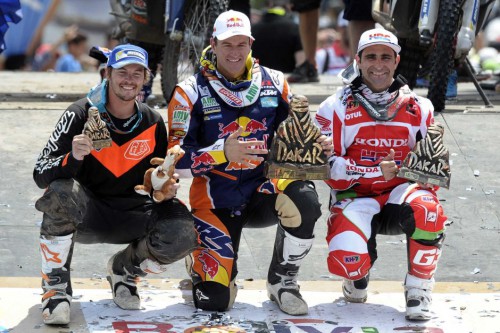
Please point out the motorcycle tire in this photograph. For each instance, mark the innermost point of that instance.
(444, 50)
(411, 56)
(181, 58)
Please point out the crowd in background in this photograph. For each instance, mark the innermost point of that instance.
(63, 47)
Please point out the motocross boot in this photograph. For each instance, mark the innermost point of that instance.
(56, 254)
(282, 285)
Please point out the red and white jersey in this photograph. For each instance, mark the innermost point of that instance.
(360, 142)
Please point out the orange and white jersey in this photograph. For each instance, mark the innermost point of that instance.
(204, 111)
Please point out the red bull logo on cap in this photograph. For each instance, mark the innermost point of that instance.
(234, 22)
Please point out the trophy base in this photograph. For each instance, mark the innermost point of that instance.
(99, 144)
(297, 171)
(418, 176)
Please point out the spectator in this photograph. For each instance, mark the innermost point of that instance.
(359, 15)
(308, 27)
(22, 39)
(282, 48)
(72, 61)
(331, 56)
(46, 55)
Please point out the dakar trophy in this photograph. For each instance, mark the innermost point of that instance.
(294, 152)
(428, 162)
(95, 128)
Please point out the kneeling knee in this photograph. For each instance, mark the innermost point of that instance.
(63, 206)
(352, 266)
(172, 240)
(212, 296)
(298, 204)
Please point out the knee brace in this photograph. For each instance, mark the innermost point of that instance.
(63, 205)
(423, 258)
(169, 241)
(348, 255)
(298, 206)
(423, 218)
(213, 296)
(423, 224)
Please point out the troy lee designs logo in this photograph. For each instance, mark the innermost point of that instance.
(137, 149)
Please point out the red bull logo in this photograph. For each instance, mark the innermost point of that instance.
(210, 264)
(203, 159)
(234, 19)
(255, 126)
(234, 22)
(228, 129)
(250, 126)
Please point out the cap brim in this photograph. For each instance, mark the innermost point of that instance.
(121, 64)
(227, 34)
(396, 48)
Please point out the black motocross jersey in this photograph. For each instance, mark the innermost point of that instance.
(108, 172)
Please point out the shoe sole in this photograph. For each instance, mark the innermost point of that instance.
(418, 317)
(292, 313)
(60, 315)
(122, 302)
(351, 299)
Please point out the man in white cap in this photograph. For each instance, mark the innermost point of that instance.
(375, 120)
(90, 196)
(225, 118)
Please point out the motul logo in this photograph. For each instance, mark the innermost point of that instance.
(390, 143)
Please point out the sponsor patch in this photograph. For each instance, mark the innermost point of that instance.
(208, 102)
(269, 102)
(351, 259)
(211, 110)
(431, 216)
(180, 117)
(212, 117)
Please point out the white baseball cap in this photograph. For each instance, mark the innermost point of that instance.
(378, 37)
(231, 23)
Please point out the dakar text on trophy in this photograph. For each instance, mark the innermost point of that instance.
(294, 152)
(95, 128)
(428, 162)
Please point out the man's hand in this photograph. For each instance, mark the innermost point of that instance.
(243, 152)
(427, 186)
(326, 143)
(388, 166)
(81, 146)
